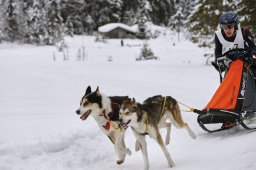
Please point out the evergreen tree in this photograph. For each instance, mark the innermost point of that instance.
(9, 23)
(116, 8)
(55, 26)
(247, 12)
(204, 21)
(162, 11)
(72, 15)
(36, 21)
(100, 12)
(129, 11)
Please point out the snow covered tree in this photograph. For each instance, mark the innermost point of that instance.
(162, 11)
(22, 18)
(143, 15)
(116, 8)
(10, 27)
(179, 21)
(72, 15)
(230, 5)
(204, 21)
(36, 20)
(54, 21)
(129, 11)
(100, 12)
(247, 12)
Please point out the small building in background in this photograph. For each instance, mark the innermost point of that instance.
(117, 30)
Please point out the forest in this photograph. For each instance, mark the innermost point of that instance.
(46, 22)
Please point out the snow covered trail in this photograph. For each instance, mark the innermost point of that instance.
(40, 130)
(91, 150)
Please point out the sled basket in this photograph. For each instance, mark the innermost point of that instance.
(234, 102)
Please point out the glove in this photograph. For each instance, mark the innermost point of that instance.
(219, 67)
(233, 55)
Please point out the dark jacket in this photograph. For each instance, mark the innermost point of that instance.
(248, 41)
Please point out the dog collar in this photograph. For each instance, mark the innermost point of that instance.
(107, 125)
(109, 122)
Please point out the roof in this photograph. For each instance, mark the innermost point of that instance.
(112, 26)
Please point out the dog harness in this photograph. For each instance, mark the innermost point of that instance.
(161, 115)
(109, 122)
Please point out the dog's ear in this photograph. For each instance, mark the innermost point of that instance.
(133, 102)
(88, 90)
(97, 91)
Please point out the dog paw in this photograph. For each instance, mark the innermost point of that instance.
(119, 162)
(146, 168)
(171, 164)
(128, 152)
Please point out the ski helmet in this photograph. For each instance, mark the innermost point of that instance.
(228, 20)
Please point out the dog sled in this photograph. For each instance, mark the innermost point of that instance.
(234, 102)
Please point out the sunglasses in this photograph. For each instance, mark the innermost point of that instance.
(227, 26)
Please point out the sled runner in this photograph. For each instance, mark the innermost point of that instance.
(234, 102)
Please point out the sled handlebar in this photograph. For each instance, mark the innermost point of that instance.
(239, 53)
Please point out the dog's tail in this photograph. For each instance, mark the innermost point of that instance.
(176, 113)
(178, 121)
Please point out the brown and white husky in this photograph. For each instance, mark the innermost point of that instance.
(147, 118)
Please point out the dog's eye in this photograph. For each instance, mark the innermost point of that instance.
(81, 102)
(85, 103)
(127, 113)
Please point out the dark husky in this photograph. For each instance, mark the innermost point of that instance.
(148, 117)
(105, 111)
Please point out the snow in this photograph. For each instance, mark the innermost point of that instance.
(40, 130)
(112, 26)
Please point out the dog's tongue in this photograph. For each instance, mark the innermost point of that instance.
(85, 115)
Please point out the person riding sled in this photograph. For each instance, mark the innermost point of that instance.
(234, 102)
(231, 36)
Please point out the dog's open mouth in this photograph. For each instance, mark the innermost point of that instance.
(85, 115)
(124, 125)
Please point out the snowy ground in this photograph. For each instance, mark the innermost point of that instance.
(39, 129)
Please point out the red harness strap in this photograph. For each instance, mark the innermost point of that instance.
(107, 125)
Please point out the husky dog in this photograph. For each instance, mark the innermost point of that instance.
(105, 111)
(147, 118)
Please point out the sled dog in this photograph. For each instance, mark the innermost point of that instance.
(105, 111)
(147, 118)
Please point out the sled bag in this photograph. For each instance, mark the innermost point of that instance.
(229, 92)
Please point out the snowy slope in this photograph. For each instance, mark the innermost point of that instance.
(39, 129)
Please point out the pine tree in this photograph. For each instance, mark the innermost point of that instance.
(36, 21)
(204, 21)
(55, 26)
(116, 8)
(186, 7)
(73, 16)
(247, 12)
(129, 11)
(162, 11)
(22, 19)
(10, 24)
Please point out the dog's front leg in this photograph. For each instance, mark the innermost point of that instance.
(120, 147)
(141, 139)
